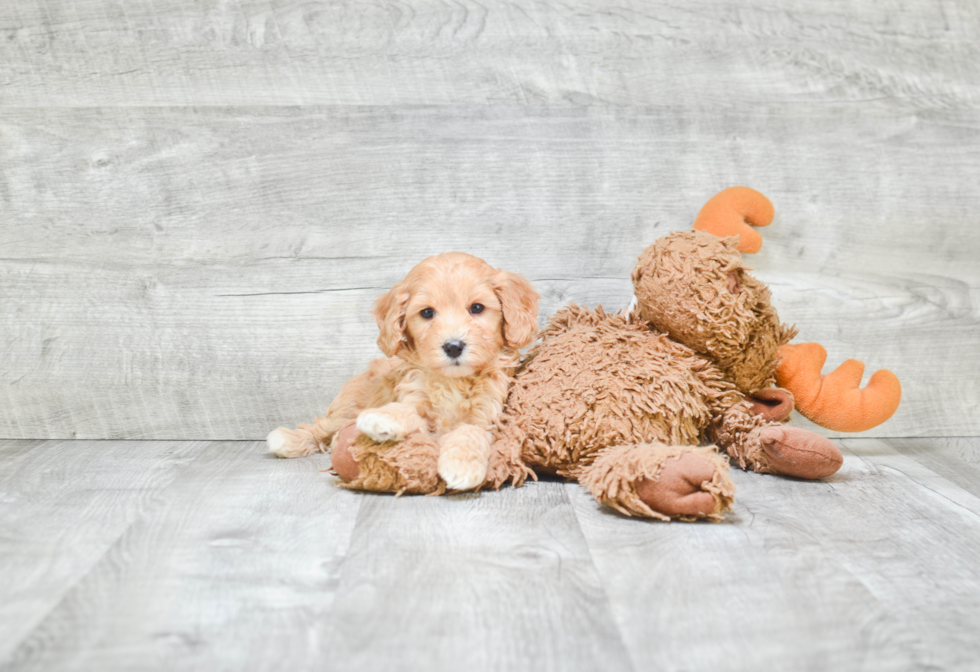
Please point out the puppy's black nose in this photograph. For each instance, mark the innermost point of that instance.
(453, 348)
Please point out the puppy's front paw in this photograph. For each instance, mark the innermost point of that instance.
(462, 469)
(284, 442)
(380, 426)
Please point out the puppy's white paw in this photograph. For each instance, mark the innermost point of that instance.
(380, 426)
(462, 469)
(291, 442)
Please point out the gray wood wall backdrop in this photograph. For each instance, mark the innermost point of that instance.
(199, 200)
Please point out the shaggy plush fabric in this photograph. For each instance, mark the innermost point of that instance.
(737, 432)
(407, 466)
(599, 380)
(622, 403)
(726, 315)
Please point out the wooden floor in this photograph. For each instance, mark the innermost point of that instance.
(121, 555)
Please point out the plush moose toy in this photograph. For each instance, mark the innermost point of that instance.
(625, 403)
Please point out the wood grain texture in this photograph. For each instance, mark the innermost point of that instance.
(244, 561)
(64, 505)
(215, 556)
(207, 273)
(90, 53)
(498, 580)
(874, 568)
(955, 459)
(225, 569)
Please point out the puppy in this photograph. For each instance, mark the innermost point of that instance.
(451, 331)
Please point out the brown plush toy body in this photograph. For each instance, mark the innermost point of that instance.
(626, 404)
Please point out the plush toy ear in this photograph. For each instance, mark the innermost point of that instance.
(389, 311)
(519, 304)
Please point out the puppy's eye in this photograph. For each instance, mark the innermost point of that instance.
(427, 313)
(476, 308)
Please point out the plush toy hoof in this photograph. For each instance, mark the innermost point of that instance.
(797, 452)
(677, 490)
(341, 460)
(772, 403)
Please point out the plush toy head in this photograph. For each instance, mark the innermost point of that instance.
(834, 400)
(693, 286)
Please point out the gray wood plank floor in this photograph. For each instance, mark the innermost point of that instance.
(214, 556)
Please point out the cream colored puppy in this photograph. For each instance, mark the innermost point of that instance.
(451, 331)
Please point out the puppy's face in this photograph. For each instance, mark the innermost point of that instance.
(456, 313)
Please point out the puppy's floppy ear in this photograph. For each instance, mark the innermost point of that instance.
(519, 304)
(389, 311)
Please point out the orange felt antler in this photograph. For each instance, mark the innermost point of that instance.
(729, 213)
(836, 401)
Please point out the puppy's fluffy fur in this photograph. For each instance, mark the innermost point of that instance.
(451, 331)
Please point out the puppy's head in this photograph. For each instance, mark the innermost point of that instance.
(456, 314)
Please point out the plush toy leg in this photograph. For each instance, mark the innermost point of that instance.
(408, 466)
(342, 462)
(661, 481)
(506, 465)
(506, 457)
(771, 448)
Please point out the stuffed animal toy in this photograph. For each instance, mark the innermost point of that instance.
(834, 401)
(626, 403)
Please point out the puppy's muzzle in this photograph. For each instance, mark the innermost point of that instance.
(453, 349)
